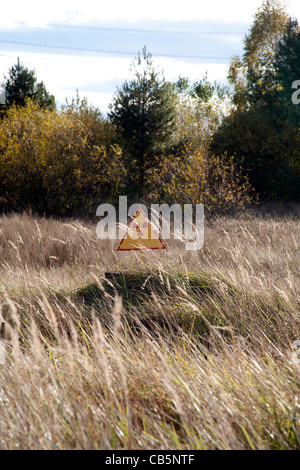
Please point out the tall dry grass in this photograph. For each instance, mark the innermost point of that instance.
(184, 350)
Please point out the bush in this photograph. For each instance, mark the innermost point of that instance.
(195, 177)
(57, 162)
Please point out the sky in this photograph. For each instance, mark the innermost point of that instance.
(89, 45)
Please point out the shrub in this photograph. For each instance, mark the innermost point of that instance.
(195, 177)
(56, 162)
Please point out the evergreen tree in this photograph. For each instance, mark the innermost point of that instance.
(287, 70)
(21, 84)
(143, 112)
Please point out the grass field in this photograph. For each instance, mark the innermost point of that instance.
(178, 350)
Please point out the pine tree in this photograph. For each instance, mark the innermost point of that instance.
(21, 83)
(143, 112)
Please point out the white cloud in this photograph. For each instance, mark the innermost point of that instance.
(62, 75)
(37, 13)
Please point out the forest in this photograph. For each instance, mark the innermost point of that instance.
(225, 146)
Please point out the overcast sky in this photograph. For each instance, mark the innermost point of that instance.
(89, 45)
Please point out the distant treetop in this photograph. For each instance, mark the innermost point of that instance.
(21, 84)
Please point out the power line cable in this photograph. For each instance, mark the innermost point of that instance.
(99, 51)
(155, 31)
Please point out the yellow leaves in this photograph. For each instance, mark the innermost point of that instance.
(55, 161)
(196, 177)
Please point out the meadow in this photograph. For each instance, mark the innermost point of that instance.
(173, 350)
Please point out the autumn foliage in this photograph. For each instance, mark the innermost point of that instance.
(153, 146)
(67, 162)
(195, 177)
(57, 162)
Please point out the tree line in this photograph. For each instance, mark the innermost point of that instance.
(186, 142)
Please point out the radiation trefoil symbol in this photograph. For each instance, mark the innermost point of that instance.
(140, 235)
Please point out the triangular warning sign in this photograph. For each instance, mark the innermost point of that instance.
(140, 235)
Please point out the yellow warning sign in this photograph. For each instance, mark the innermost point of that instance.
(140, 235)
